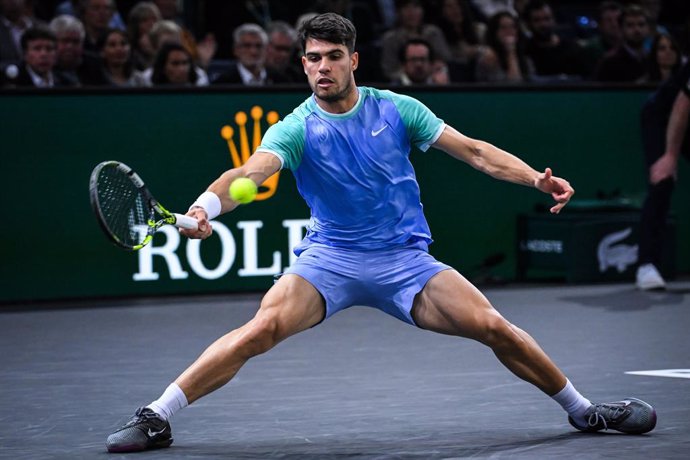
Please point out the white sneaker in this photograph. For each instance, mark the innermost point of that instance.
(649, 278)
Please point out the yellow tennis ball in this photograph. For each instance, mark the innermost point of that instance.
(243, 190)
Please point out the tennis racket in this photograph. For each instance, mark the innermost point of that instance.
(126, 211)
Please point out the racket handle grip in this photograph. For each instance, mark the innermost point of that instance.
(186, 222)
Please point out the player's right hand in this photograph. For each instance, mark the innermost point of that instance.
(205, 228)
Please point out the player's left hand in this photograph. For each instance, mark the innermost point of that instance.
(559, 188)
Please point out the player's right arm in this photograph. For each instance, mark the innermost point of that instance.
(259, 167)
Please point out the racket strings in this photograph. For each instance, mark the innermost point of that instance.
(123, 207)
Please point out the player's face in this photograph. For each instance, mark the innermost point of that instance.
(329, 68)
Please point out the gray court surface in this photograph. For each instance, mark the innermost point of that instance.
(361, 385)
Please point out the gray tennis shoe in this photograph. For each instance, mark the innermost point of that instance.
(145, 430)
(630, 415)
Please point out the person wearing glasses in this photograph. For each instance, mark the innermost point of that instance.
(420, 66)
(281, 52)
(249, 69)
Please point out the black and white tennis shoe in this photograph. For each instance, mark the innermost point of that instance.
(630, 415)
(145, 430)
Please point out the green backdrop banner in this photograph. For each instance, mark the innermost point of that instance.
(52, 247)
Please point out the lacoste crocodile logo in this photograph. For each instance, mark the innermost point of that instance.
(620, 256)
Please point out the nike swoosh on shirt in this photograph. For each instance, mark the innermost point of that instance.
(378, 131)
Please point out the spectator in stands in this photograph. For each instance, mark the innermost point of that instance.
(628, 62)
(410, 25)
(664, 128)
(173, 66)
(387, 12)
(608, 36)
(250, 50)
(463, 34)
(504, 58)
(75, 7)
(368, 20)
(140, 21)
(420, 66)
(223, 18)
(96, 16)
(653, 9)
(71, 63)
(553, 56)
(202, 51)
(365, 16)
(163, 32)
(664, 59)
(117, 68)
(281, 52)
(488, 8)
(14, 21)
(39, 48)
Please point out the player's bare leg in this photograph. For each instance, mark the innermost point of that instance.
(450, 304)
(290, 306)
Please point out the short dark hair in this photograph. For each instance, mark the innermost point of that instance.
(402, 52)
(36, 33)
(633, 11)
(609, 5)
(330, 27)
(532, 6)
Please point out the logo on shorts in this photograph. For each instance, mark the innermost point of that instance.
(239, 156)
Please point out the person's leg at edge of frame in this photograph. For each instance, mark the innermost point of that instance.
(450, 304)
(657, 202)
(292, 305)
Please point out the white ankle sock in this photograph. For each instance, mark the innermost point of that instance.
(573, 403)
(172, 400)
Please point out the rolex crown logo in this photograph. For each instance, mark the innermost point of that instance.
(241, 155)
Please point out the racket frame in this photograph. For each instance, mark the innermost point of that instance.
(154, 207)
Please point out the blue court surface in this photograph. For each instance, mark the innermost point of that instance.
(361, 385)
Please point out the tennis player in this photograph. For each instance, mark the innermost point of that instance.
(348, 148)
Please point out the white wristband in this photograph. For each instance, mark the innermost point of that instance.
(211, 204)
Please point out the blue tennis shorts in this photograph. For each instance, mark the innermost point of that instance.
(388, 280)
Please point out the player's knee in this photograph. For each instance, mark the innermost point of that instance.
(499, 333)
(262, 334)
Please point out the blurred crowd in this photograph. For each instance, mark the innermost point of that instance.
(85, 43)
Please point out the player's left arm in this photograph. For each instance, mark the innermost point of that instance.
(502, 165)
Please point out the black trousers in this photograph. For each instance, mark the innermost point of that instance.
(654, 119)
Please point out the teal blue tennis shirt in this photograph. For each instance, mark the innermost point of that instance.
(354, 172)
